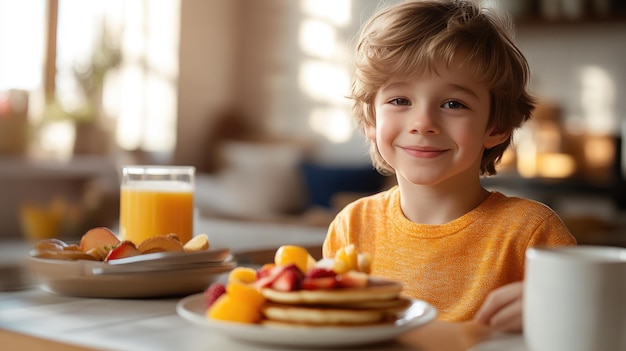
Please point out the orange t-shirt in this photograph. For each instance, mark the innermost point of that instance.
(455, 265)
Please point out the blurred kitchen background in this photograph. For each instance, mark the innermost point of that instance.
(252, 93)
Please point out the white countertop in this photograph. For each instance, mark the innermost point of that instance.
(153, 324)
(136, 324)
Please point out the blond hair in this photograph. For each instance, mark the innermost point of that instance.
(412, 37)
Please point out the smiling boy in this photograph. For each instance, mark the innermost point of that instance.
(439, 89)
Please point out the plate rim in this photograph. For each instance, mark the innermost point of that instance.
(321, 336)
(73, 278)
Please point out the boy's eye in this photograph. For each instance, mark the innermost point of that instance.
(453, 104)
(399, 102)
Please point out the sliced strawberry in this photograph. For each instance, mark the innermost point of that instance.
(124, 249)
(320, 272)
(319, 283)
(353, 279)
(289, 279)
(267, 275)
(98, 238)
(213, 292)
(265, 270)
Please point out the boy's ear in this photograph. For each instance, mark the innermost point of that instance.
(495, 138)
(370, 131)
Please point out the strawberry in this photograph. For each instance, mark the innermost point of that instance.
(267, 275)
(319, 283)
(288, 280)
(124, 249)
(320, 272)
(213, 292)
(265, 270)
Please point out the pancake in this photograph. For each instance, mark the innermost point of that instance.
(397, 304)
(376, 290)
(319, 315)
(378, 302)
(275, 323)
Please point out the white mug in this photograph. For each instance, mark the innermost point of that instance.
(575, 299)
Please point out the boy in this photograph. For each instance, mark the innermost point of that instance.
(439, 89)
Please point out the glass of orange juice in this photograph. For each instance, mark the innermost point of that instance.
(156, 200)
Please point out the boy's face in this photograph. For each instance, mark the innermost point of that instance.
(433, 128)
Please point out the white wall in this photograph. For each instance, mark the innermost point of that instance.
(558, 52)
(244, 55)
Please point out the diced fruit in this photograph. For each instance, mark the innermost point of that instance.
(241, 303)
(365, 262)
(160, 244)
(227, 308)
(264, 270)
(247, 294)
(242, 275)
(173, 236)
(327, 263)
(346, 259)
(241, 300)
(72, 247)
(124, 249)
(320, 278)
(352, 279)
(319, 283)
(98, 238)
(197, 243)
(288, 254)
(320, 272)
(213, 292)
(288, 280)
(51, 245)
(64, 255)
(266, 276)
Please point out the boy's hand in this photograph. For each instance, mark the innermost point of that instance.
(502, 309)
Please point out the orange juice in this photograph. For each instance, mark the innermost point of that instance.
(151, 208)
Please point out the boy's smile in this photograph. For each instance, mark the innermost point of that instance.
(433, 127)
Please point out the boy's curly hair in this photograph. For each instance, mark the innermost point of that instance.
(411, 38)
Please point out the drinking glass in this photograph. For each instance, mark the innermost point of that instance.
(156, 200)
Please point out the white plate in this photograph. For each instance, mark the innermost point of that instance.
(84, 278)
(193, 309)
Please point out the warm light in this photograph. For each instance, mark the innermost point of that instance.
(555, 165)
(526, 151)
(599, 151)
(129, 123)
(334, 124)
(325, 81)
(508, 159)
(597, 98)
(57, 139)
(141, 94)
(21, 32)
(151, 110)
(335, 11)
(317, 38)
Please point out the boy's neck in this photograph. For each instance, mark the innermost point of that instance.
(439, 204)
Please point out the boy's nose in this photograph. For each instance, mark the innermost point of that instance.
(424, 122)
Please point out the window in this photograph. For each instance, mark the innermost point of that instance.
(21, 38)
(139, 96)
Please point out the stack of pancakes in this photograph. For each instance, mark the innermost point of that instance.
(378, 302)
